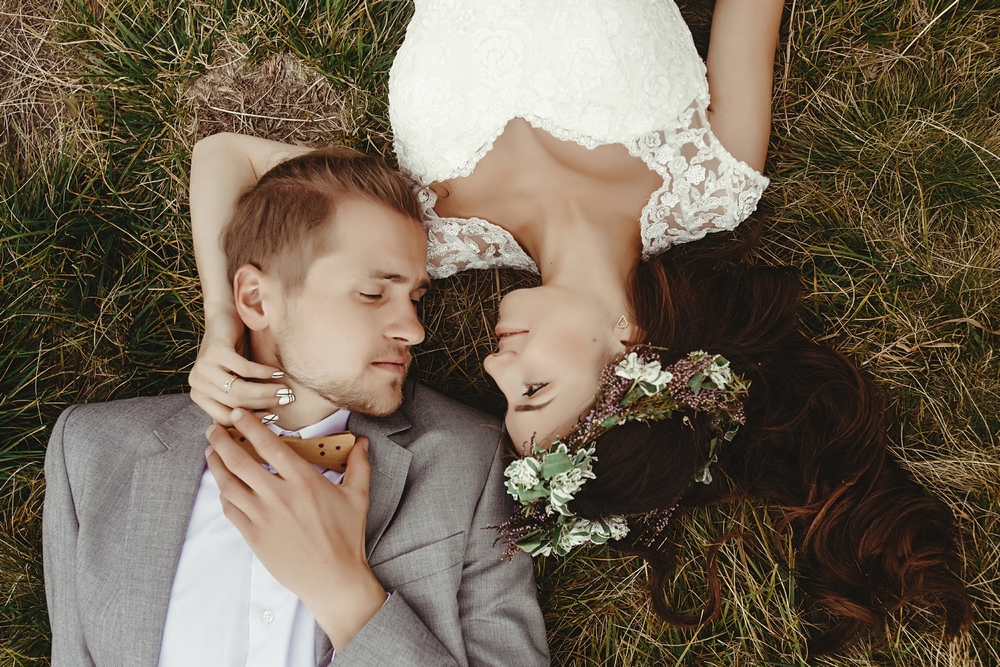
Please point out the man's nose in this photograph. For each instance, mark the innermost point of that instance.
(406, 327)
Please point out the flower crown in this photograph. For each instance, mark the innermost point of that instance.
(634, 388)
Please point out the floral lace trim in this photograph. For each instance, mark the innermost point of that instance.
(457, 244)
(705, 189)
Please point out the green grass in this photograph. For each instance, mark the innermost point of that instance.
(885, 192)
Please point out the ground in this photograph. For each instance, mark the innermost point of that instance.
(884, 167)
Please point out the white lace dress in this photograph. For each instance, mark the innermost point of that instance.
(591, 71)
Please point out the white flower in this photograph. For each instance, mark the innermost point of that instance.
(695, 174)
(522, 474)
(564, 485)
(584, 531)
(704, 476)
(618, 526)
(578, 534)
(569, 481)
(649, 374)
(630, 367)
(541, 550)
(720, 375)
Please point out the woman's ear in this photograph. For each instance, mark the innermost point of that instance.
(249, 290)
(632, 335)
(628, 336)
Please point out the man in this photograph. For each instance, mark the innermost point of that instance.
(152, 559)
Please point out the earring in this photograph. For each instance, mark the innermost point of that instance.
(622, 323)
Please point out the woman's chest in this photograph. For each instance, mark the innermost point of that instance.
(530, 177)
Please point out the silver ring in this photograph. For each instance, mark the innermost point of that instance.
(229, 383)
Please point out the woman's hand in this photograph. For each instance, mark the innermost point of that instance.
(223, 379)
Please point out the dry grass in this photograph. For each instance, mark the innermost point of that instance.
(279, 99)
(885, 192)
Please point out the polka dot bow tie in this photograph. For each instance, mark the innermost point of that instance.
(329, 451)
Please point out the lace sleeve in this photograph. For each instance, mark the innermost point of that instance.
(705, 189)
(457, 244)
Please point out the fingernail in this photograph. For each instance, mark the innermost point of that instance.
(268, 419)
(285, 396)
(365, 444)
(208, 451)
(277, 375)
(236, 414)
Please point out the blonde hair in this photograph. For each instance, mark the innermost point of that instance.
(281, 224)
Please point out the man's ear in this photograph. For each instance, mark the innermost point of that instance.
(251, 290)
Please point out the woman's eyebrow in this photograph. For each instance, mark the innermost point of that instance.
(528, 407)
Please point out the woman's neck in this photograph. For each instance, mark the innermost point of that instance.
(576, 253)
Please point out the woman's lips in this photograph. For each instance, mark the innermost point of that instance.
(506, 332)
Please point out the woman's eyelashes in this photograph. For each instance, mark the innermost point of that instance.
(533, 389)
(371, 297)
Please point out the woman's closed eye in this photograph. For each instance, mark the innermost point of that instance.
(533, 389)
(371, 297)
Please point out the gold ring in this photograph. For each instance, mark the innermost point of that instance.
(229, 383)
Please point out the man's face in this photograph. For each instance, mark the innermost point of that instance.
(347, 333)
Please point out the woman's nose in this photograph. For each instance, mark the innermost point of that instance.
(497, 365)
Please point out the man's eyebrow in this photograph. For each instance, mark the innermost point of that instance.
(399, 279)
(528, 407)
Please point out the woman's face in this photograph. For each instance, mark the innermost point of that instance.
(554, 343)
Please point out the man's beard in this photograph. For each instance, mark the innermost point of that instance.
(352, 394)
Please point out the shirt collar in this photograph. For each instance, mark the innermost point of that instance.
(335, 423)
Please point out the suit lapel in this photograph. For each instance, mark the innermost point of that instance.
(164, 486)
(389, 463)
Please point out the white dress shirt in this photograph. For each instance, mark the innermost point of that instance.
(226, 610)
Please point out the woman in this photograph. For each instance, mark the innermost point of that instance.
(577, 140)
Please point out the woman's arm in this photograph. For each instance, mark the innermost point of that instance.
(740, 72)
(222, 167)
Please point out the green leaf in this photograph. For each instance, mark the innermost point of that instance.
(533, 494)
(531, 541)
(610, 421)
(696, 381)
(555, 464)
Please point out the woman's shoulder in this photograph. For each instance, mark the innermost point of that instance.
(459, 244)
(705, 188)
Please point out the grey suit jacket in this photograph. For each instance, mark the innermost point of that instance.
(121, 482)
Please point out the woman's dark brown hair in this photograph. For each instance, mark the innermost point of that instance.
(868, 538)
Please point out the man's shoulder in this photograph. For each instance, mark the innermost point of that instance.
(123, 425)
(447, 425)
(428, 409)
(422, 397)
(133, 414)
